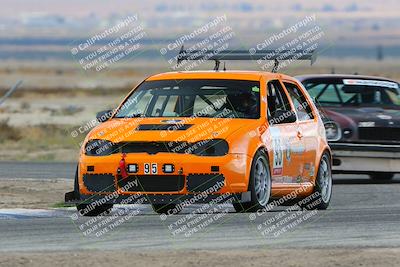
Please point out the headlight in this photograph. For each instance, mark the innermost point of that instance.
(98, 147)
(332, 130)
(213, 147)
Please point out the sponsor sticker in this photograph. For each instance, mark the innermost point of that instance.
(285, 180)
(366, 124)
(371, 83)
(277, 148)
(384, 117)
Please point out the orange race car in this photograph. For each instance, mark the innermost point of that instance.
(200, 134)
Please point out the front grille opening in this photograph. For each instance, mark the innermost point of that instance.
(99, 182)
(202, 182)
(379, 134)
(152, 183)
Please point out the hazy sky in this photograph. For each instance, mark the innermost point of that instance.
(70, 8)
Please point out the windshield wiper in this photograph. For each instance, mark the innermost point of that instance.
(204, 116)
(136, 115)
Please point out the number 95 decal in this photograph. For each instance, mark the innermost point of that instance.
(150, 168)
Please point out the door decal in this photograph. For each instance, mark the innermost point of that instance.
(277, 149)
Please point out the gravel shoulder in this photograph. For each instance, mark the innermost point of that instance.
(33, 193)
(366, 257)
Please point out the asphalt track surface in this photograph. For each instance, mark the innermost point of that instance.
(37, 170)
(362, 214)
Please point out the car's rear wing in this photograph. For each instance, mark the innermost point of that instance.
(217, 56)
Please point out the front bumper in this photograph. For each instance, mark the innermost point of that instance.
(364, 158)
(231, 169)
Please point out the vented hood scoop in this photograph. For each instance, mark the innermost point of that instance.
(163, 127)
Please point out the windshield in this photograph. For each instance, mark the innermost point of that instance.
(195, 97)
(354, 92)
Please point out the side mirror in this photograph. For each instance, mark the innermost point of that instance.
(104, 115)
(283, 116)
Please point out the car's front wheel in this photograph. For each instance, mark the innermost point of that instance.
(259, 185)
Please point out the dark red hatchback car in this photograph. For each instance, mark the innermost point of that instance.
(362, 121)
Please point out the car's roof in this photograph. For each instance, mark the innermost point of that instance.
(341, 76)
(230, 75)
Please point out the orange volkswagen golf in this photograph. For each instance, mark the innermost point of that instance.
(200, 134)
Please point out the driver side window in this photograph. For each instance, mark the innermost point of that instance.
(278, 102)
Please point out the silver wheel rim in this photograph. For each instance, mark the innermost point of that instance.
(325, 180)
(262, 184)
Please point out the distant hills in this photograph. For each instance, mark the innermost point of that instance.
(46, 28)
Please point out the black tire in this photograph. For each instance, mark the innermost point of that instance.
(259, 185)
(167, 209)
(76, 184)
(323, 186)
(381, 176)
(84, 209)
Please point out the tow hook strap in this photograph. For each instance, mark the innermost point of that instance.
(122, 167)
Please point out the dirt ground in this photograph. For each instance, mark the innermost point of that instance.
(33, 193)
(273, 257)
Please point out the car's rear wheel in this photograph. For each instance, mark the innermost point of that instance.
(383, 176)
(168, 209)
(323, 185)
(87, 210)
(259, 185)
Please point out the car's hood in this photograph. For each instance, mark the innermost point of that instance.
(167, 129)
(376, 115)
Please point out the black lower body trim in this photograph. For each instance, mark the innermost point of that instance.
(99, 182)
(152, 183)
(203, 182)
